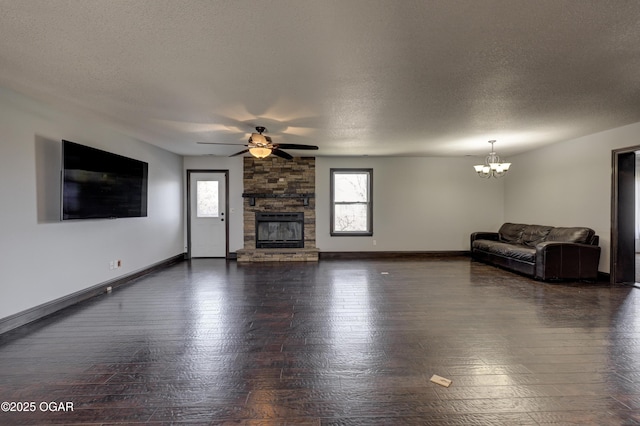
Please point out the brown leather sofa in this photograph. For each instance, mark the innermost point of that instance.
(542, 252)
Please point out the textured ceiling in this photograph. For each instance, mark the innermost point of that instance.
(397, 77)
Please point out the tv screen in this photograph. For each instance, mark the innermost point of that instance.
(97, 184)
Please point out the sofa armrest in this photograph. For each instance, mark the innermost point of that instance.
(494, 236)
(566, 261)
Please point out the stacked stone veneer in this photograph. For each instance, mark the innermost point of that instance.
(274, 175)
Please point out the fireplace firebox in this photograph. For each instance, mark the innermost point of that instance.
(280, 230)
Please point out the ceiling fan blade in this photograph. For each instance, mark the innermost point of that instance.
(296, 146)
(281, 154)
(239, 153)
(221, 143)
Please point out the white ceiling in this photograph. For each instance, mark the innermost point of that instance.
(396, 77)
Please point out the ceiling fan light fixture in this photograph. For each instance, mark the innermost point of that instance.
(261, 146)
(260, 152)
(258, 139)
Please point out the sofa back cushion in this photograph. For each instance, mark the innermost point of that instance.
(511, 232)
(534, 234)
(571, 235)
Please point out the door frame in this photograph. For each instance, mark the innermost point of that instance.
(226, 207)
(623, 201)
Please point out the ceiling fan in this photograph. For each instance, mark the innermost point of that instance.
(261, 146)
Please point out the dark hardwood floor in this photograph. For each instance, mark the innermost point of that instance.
(339, 342)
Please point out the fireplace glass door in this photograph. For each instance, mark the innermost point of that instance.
(279, 230)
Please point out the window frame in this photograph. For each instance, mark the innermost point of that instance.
(368, 203)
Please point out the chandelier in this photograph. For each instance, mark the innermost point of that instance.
(492, 166)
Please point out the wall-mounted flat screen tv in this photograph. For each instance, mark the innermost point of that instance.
(98, 185)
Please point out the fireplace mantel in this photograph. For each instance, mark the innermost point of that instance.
(253, 195)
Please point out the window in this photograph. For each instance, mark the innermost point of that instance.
(351, 205)
(207, 198)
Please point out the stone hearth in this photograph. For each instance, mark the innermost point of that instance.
(276, 185)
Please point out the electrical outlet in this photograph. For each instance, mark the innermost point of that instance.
(111, 264)
(375, 242)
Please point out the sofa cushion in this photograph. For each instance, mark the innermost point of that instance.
(484, 245)
(571, 235)
(528, 254)
(511, 232)
(534, 234)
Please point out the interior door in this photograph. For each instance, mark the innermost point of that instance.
(623, 217)
(207, 214)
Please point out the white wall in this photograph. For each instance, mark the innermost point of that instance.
(234, 166)
(568, 184)
(419, 204)
(41, 258)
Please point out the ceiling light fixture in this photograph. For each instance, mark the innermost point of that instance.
(492, 166)
(258, 139)
(260, 152)
(259, 145)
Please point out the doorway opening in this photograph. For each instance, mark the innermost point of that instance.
(625, 225)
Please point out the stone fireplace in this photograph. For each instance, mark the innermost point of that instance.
(279, 210)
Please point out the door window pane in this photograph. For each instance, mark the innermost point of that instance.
(207, 198)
